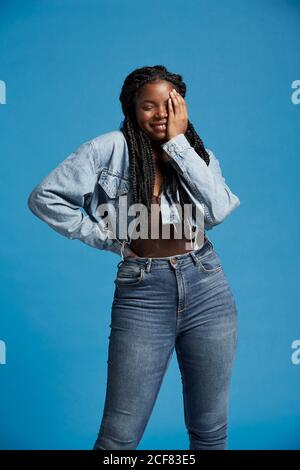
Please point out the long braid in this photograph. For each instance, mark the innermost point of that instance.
(141, 162)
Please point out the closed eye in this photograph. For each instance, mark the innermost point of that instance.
(148, 108)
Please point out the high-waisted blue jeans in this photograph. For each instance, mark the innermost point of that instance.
(183, 301)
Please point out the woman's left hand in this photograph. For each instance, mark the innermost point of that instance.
(178, 115)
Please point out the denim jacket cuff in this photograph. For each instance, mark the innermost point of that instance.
(176, 145)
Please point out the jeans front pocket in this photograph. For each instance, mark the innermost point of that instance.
(129, 275)
(210, 263)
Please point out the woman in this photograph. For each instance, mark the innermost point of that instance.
(170, 289)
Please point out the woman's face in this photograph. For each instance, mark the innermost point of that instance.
(151, 107)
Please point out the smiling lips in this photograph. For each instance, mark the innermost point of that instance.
(159, 127)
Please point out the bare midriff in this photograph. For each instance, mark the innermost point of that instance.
(161, 247)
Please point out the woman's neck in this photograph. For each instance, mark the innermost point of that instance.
(159, 155)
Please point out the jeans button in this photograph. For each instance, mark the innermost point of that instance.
(173, 261)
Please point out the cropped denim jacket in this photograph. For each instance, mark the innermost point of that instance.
(97, 173)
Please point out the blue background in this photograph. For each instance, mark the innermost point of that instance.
(64, 63)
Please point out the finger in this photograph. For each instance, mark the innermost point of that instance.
(175, 103)
(181, 101)
(174, 96)
(170, 106)
(182, 107)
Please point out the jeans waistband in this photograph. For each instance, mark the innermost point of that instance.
(175, 260)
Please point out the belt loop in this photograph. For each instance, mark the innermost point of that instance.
(148, 264)
(122, 249)
(210, 243)
(195, 259)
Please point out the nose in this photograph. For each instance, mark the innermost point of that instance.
(162, 114)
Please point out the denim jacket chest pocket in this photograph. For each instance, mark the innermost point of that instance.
(113, 183)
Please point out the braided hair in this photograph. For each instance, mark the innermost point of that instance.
(141, 163)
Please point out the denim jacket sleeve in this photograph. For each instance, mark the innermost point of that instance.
(59, 197)
(206, 183)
